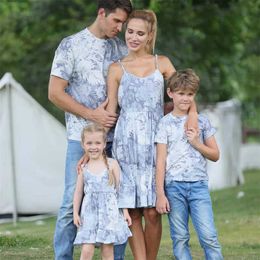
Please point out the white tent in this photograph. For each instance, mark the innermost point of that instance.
(32, 153)
(225, 117)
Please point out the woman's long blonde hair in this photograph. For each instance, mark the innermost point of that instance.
(93, 128)
(150, 17)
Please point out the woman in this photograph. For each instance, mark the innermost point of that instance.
(137, 84)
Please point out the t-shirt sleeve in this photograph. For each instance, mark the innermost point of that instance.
(161, 133)
(208, 129)
(63, 61)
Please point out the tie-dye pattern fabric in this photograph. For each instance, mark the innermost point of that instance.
(83, 59)
(102, 221)
(141, 103)
(184, 163)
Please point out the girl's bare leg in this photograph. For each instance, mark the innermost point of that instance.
(137, 242)
(107, 252)
(87, 251)
(152, 232)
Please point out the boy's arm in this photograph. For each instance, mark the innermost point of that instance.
(208, 149)
(162, 204)
(77, 199)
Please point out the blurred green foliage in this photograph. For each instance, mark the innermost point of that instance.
(219, 39)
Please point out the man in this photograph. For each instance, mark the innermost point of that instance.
(78, 86)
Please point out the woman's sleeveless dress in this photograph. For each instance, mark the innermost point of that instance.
(141, 102)
(101, 220)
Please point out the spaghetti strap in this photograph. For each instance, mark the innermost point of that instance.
(156, 62)
(123, 68)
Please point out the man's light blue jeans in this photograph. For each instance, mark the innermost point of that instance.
(65, 231)
(192, 198)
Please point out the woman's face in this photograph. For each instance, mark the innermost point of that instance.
(137, 34)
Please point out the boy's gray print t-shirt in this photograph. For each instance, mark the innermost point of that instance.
(184, 163)
(83, 60)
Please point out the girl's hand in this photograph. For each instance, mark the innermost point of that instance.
(82, 162)
(193, 136)
(162, 204)
(76, 220)
(127, 217)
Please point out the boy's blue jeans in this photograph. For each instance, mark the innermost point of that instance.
(65, 231)
(192, 198)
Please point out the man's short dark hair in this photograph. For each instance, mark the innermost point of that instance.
(111, 5)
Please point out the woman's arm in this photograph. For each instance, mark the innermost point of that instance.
(162, 204)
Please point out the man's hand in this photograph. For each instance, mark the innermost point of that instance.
(162, 204)
(103, 117)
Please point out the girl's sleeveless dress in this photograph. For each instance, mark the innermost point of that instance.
(141, 102)
(101, 220)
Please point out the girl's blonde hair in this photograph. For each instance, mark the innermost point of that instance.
(94, 128)
(150, 17)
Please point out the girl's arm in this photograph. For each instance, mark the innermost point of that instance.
(116, 172)
(162, 203)
(208, 149)
(113, 81)
(78, 195)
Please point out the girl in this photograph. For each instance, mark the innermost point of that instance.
(100, 222)
(136, 83)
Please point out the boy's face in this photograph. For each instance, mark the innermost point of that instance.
(112, 23)
(182, 100)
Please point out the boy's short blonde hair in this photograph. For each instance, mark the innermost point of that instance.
(183, 80)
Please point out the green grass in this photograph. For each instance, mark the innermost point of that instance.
(237, 221)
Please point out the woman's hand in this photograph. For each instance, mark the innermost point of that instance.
(76, 220)
(127, 217)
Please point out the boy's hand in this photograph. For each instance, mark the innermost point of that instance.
(76, 220)
(82, 162)
(162, 204)
(193, 136)
(127, 217)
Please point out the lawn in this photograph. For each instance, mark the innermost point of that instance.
(237, 217)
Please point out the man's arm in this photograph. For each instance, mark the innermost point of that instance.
(61, 99)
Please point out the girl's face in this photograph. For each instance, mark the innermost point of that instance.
(137, 34)
(94, 145)
(182, 100)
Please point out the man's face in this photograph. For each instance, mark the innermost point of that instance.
(113, 22)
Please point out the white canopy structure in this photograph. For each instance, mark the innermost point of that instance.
(32, 153)
(226, 118)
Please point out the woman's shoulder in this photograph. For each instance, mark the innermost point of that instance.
(165, 66)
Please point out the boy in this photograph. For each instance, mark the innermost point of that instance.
(181, 177)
